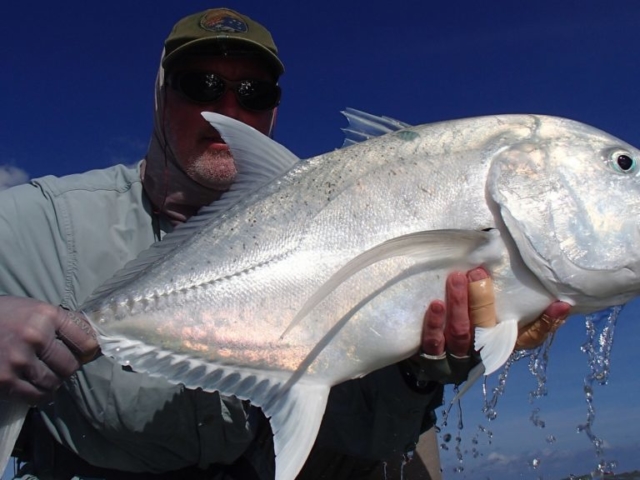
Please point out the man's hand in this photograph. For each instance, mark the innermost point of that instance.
(534, 334)
(447, 353)
(40, 346)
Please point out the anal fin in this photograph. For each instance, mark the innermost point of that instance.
(295, 419)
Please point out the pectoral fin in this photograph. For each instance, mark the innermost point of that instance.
(433, 249)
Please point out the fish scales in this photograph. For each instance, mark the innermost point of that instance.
(252, 261)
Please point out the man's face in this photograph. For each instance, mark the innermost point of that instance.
(197, 146)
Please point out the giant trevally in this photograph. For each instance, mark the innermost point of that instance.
(307, 274)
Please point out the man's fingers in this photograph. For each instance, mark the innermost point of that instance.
(59, 358)
(77, 334)
(27, 393)
(433, 329)
(482, 309)
(457, 333)
(41, 377)
(535, 333)
(559, 311)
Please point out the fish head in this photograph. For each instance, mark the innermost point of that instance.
(569, 196)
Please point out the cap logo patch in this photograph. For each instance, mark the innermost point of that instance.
(223, 22)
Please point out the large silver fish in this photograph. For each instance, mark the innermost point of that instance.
(307, 274)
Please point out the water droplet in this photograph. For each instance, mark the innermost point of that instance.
(491, 400)
(600, 329)
(535, 418)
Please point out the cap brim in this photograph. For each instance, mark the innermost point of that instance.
(227, 45)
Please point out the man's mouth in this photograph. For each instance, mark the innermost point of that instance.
(215, 141)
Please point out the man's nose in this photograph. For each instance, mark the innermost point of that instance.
(228, 105)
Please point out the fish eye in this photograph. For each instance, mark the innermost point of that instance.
(622, 161)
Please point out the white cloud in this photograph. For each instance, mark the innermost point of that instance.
(500, 459)
(10, 176)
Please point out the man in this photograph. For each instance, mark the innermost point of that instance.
(61, 238)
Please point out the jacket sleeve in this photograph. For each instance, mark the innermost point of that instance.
(109, 415)
(32, 247)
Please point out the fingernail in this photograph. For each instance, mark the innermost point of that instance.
(477, 274)
(437, 307)
(458, 280)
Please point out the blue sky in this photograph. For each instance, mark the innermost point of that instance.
(76, 88)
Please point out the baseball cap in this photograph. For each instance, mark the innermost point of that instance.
(221, 31)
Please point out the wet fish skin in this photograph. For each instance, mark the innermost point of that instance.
(516, 175)
(359, 240)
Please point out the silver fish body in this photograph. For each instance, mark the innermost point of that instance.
(298, 281)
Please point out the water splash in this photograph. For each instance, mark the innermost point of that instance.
(406, 458)
(487, 432)
(489, 407)
(458, 438)
(538, 363)
(390, 471)
(600, 328)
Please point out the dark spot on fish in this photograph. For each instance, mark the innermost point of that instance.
(407, 135)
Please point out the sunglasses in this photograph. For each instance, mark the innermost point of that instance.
(207, 87)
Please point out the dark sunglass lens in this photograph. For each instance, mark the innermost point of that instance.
(202, 87)
(258, 95)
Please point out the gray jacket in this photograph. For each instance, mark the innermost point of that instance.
(63, 237)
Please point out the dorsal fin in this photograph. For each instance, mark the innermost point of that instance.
(363, 126)
(258, 159)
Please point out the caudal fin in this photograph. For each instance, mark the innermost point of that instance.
(295, 420)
